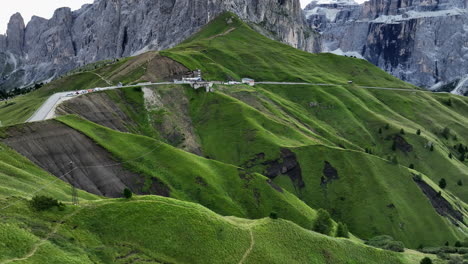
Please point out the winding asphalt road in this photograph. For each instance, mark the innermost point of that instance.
(47, 110)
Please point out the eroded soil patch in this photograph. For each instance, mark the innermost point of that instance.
(402, 144)
(329, 174)
(58, 149)
(288, 165)
(442, 206)
(97, 108)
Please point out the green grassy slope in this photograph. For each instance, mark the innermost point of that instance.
(346, 116)
(238, 124)
(164, 230)
(223, 188)
(228, 48)
(238, 133)
(372, 110)
(372, 191)
(241, 132)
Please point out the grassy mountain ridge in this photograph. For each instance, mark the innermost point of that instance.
(142, 230)
(227, 48)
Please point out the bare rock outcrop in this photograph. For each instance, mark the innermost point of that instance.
(423, 42)
(109, 29)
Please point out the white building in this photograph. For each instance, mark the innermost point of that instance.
(248, 81)
(207, 85)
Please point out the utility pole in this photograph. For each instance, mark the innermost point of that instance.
(74, 193)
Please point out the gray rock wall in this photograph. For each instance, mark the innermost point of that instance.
(422, 42)
(110, 29)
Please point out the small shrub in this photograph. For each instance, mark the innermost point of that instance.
(432, 147)
(465, 243)
(461, 149)
(462, 157)
(442, 183)
(426, 260)
(395, 246)
(42, 203)
(447, 244)
(387, 243)
(342, 230)
(394, 146)
(449, 102)
(411, 166)
(445, 250)
(460, 183)
(446, 133)
(443, 255)
(458, 244)
(402, 131)
(418, 132)
(418, 178)
(380, 131)
(450, 156)
(387, 126)
(323, 223)
(127, 193)
(455, 260)
(273, 215)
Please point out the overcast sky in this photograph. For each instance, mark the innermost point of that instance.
(28, 8)
(44, 8)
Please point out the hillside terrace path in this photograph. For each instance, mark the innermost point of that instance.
(64, 219)
(42, 241)
(47, 110)
(252, 244)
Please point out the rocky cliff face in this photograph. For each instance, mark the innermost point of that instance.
(110, 29)
(424, 42)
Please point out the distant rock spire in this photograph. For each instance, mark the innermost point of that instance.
(15, 34)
